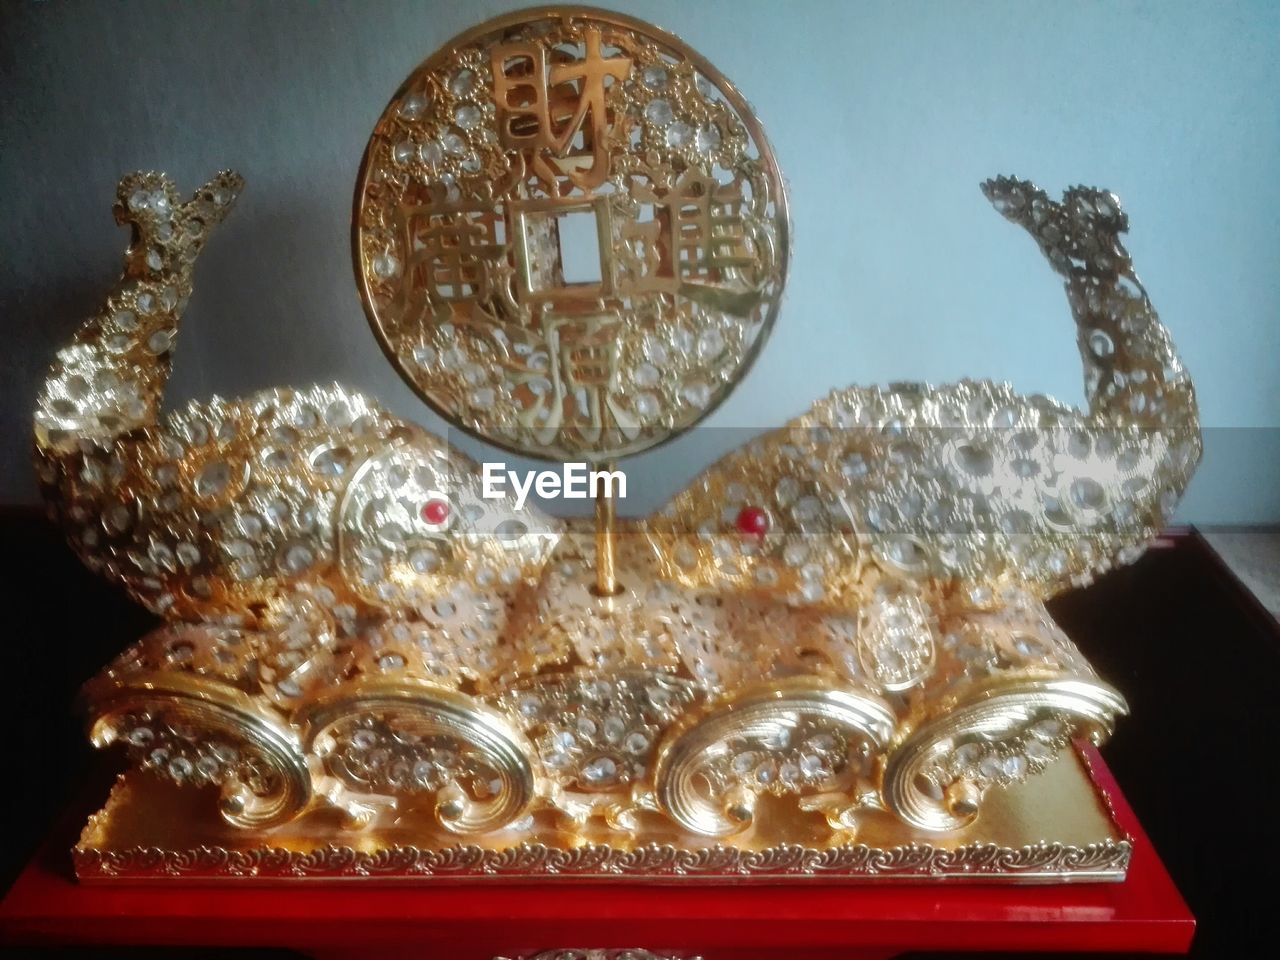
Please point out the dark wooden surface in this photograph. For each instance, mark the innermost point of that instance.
(1197, 657)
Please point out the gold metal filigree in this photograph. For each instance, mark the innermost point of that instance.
(463, 217)
(847, 613)
(1058, 827)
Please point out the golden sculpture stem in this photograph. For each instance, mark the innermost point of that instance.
(606, 579)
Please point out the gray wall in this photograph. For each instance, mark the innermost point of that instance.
(884, 115)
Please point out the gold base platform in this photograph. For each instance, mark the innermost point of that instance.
(1054, 828)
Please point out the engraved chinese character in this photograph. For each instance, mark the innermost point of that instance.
(555, 115)
(707, 225)
(452, 251)
(697, 231)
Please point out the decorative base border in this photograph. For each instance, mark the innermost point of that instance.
(978, 861)
(1046, 862)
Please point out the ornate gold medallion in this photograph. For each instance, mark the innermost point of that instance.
(570, 234)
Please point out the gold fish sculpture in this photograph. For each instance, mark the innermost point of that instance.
(848, 609)
(846, 614)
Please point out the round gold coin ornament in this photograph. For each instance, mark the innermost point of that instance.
(570, 234)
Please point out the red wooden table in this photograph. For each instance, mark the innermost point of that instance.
(1145, 913)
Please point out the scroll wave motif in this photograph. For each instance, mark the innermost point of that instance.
(973, 862)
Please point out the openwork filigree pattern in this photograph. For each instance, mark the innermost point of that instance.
(846, 613)
(527, 132)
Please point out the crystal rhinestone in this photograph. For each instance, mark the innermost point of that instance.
(854, 466)
(363, 739)
(614, 727)
(807, 509)
(1015, 766)
(390, 661)
(453, 143)
(1087, 494)
(655, 351)
(636, 742)
(466, 115)
(1101, 345)
(413, 106)
(710, 344)
(645, 375)
(461, 83)
(697, 394)
(821, 743)
(765, 773)
(812, 591)
(510, 531)
(297, 558)
(563, 741)
(424, 560)
(811, 765)
(180, 768)
(403, 152)
(742, 763)
(213, 479)
(332, 461)
(991, 767)
(1037, 750)
(659, 112)
(707, 138)
(126, 320)
(787, 489)
(679, 134)
(654, 76)
(789, 773)
(431, 153)
(1046, 729)
(968, 753)
(141, 736)
(600, 770)
(161, 341)
(207, 767)
(386, 266)
(586, 727)
(752, 521)
(975, 460)
(645, 404)
(659, 698)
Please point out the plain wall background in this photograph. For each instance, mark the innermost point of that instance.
(884, 117)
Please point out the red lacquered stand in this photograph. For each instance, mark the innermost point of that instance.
(46, 906)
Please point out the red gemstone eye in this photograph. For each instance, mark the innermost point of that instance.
(435, 512)
(753, 522)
